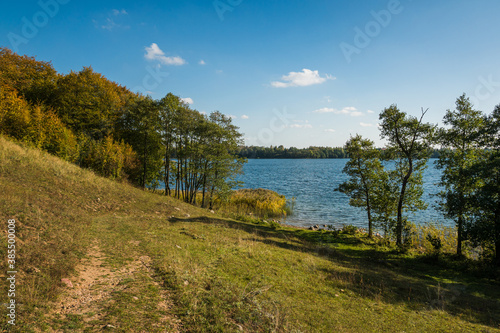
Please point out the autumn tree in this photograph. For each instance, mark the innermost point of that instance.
(89, 103)
(34, 80)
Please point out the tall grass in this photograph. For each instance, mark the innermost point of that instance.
(259, 202)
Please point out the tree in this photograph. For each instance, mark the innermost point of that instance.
(34, 80)
(169, 106)
(89, 103)
(363, 168)
(224, 163)
(139, 127)
(462, 149)
(484, 226)
(409, 142)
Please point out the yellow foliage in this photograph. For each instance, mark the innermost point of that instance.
(261, 202)
(14, 113)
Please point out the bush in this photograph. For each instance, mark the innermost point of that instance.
(433, 238)
(107, 157)
(349, 229)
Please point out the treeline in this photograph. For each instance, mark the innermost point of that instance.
(470, 183)
(278, 152)
(292, 152)
(98, 124)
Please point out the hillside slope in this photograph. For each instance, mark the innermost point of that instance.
(95, 254)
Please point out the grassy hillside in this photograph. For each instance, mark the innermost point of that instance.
(142, 262)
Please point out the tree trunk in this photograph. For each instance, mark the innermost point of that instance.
(497, 235)
(399, 224)
(370, 225)
(144, 157)
(167, 169)
(460, 231)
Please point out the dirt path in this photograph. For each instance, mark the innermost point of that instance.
(101, 296)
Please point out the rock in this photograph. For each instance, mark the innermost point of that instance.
(135, 298)
(187, 215)
(186, 283)
(67, 282)
(211, 211)
(177, 208)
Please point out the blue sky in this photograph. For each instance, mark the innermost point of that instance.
(296, 73)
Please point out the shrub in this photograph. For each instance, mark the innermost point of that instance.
(107, 157)
(349, 229)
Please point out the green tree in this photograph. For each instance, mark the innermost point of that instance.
(139, 127)
(484, 226)
(461, 141)
(169, 106)
(364, 169)
(409, 143)
(224, 162)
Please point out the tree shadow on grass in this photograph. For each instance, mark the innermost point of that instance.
(386, 276)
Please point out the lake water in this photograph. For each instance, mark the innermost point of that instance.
(312, 183)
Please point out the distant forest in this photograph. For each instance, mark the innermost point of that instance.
(278, 152)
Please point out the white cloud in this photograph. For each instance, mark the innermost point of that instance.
(155, 53)
(110, 24)
(330, 130)
(117, 12)
(187, 100)
(202, 62)
(325, 110)
(232, 116)
(370, 111)
(350, 110)
(301, 126)
(301, 79)
(367, 125)
(244, 116)
(111, 21)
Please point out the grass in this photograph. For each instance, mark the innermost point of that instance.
(216, 274)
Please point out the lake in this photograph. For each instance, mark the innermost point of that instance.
(312, 183)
